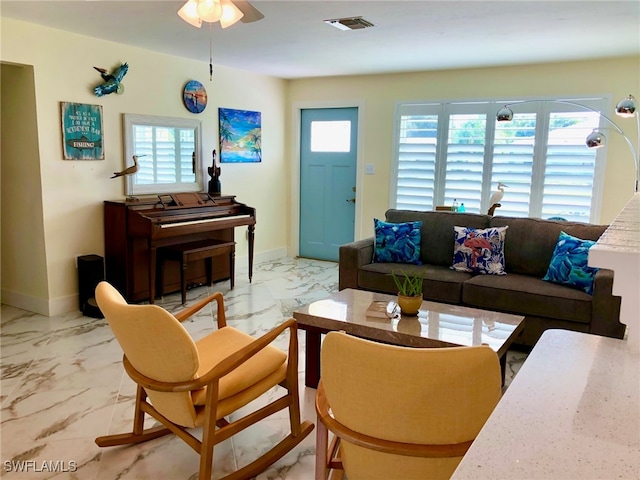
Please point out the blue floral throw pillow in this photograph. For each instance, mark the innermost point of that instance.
(397, 242)
(569, 263)
(479, 251)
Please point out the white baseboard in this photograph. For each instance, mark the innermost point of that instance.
(69, 303)
(26, 302)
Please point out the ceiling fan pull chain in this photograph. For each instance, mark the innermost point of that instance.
(210, 53)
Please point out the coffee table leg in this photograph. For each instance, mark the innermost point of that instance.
(503, 366)
(312, 359)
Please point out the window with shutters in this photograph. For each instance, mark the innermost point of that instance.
(450, 152)
(168, 151)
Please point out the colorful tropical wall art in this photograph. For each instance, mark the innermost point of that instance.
(240, 136)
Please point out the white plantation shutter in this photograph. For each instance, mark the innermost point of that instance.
(448, 151)
(513, 151)
(465, 160)
(569, 169)
(417, 144)
(164, 145)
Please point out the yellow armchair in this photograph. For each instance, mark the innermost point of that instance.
(186, 384)
(400, 412)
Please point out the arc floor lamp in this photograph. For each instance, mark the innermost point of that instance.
(625, 108)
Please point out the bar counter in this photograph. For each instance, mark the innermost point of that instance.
(572, 412)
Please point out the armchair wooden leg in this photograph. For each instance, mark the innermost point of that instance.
(322, 444)
(139, 434)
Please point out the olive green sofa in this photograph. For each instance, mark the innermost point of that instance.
(528, 249)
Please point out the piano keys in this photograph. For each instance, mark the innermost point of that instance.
(134, 231)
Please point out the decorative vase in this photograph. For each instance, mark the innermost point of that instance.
(409, 305)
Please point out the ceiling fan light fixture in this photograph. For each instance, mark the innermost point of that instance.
(189, 13)
(230, 14)
(209, 10)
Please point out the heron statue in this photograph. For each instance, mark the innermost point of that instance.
(494, 202)
(129, 170)
(112, 81)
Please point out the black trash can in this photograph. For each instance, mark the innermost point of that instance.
(90, 273)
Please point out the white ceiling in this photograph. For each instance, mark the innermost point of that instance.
(292, 41)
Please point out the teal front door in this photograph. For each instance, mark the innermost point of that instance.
(328, 157)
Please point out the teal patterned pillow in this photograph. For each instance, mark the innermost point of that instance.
(569, 263)
(397, 242)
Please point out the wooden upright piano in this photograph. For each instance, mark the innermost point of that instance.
(134, 230)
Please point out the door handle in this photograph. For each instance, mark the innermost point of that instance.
(352, 200)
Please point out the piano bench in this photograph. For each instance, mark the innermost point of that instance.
(197, 250)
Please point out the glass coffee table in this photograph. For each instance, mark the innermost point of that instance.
(374, 316)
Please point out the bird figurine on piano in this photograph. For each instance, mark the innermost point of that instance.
(112, 81)
(129, 170)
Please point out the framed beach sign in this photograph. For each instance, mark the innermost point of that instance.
(82, 131)
(240, 136)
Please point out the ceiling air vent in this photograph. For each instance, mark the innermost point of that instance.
(351, 23)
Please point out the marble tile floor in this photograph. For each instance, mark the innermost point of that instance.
(63, 384)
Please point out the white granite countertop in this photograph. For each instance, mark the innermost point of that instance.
(619, 250)
(572, 412)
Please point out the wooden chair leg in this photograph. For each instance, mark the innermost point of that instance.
(139, 434)
(206, 449)
(232, 266)
(208, 265)
(322, 444)
(183, 279)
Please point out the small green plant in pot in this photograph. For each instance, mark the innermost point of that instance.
(409, 292)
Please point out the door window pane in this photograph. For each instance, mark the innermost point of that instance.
(334, 136)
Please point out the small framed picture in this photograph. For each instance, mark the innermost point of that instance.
(82, 131)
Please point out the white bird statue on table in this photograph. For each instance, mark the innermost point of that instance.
(497, 195)
(129, 170)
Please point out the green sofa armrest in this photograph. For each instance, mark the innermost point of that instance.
(352, 256)
(605, 310)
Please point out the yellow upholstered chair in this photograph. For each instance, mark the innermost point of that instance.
(185, 384)
(400, 412)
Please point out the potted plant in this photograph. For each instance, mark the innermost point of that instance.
(409, 292)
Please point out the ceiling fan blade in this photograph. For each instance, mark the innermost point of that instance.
(251, 13)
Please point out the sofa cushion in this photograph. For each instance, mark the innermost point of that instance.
(527, 295)
(440, 283)
(531, 242)
(568, 265)
(436, 246)
(397, 242)
(479, 250)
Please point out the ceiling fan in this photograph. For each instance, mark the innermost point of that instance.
(227, 12)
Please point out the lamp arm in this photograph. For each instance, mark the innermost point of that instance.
(634, 154)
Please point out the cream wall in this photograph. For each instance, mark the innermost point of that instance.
(379, 94)
(22, 225)
(73, 191)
